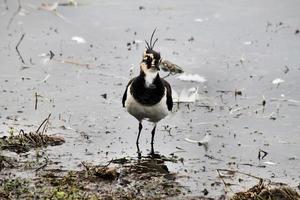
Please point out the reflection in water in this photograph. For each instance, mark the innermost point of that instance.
(155, 167)
(149, 176)
(152, 153)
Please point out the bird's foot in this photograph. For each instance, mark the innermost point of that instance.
(154, 155)
(139, 154)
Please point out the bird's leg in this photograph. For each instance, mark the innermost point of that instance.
(140, 129)
(137, 140)
(152, 139)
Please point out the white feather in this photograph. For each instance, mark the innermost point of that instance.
(149, 77)
(152, 113)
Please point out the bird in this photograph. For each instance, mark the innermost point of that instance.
(148, 96)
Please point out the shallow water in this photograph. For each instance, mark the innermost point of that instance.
(236, 45)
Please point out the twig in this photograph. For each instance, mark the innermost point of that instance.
(45, 120)
(36, 101)
(41, 125)
(87, 168)
(262, 152)
(14, 14)
(212, 157)
(20, 56)
(61, 16)
(109, 162)
(286, 70)
(247, 164)
(75, 63)
(51, 55)
(235, 171)
(6, 5)
(225, 184)
(31, 139)
(46, 124)
(43, 166)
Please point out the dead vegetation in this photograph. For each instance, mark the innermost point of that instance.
(23, 142)
(263, 190)
(119, 179)
(6, 162)
(122, 178)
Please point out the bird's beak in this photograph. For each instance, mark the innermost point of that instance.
(156, 67)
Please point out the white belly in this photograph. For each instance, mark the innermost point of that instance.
(152, 113)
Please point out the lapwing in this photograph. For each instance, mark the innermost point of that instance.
(148, 96)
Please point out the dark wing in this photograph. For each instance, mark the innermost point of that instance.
(169, 95)
(125, 93)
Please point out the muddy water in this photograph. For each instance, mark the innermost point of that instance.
(236, 46)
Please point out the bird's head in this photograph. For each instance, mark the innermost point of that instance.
(151, 59)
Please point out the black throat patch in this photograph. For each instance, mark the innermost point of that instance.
(147, 96)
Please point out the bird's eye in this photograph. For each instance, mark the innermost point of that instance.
(148, 61)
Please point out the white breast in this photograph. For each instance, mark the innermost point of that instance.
(152, 113)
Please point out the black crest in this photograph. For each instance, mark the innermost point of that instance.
(150, 45)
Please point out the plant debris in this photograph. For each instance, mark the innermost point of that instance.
(262, 154)
(145, 178)
(263, 191)
(17, 48)
(105, 172)
(23, 142)
(170, 67)
(6, 162)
